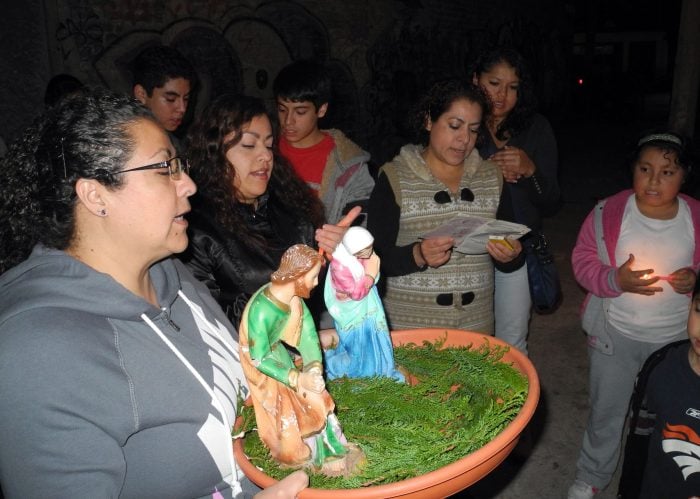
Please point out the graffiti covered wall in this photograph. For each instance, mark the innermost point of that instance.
(381, 54)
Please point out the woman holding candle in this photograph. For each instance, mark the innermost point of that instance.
(636, 254)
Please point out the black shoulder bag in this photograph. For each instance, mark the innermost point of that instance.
(542, 274)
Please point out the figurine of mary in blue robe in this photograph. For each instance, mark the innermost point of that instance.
(364, 346)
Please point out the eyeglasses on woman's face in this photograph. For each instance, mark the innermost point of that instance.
(174, 165)
(442, 197)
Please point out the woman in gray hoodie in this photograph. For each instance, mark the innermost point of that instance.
(119, 374)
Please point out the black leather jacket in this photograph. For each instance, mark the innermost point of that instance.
(232, 270)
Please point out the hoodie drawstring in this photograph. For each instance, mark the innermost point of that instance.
(236, 486)
(198, 312)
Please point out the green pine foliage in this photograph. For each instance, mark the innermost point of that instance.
(463, 398)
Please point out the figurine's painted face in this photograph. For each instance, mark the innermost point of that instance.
(252, 158)
(365, 253)
(307, 282)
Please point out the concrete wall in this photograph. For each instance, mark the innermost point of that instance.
(381, 53)
(24, 63)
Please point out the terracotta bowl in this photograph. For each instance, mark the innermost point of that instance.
(449, 479)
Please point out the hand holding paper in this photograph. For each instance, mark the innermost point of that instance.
(434, 251)
(471, 234)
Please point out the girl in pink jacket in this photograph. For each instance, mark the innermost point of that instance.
(637, 254)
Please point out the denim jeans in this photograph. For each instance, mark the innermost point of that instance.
(512, 304)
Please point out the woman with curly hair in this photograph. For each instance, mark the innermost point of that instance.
(426, 186)
(250, 207)
(522, 144)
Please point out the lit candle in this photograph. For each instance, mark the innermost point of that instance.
(661, 277)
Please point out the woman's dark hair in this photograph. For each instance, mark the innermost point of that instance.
(211, 136)
(86, 135)
(521, 115)
(438, 100)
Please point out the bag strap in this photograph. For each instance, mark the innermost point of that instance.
(640, 383)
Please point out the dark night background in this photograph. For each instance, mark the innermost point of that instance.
(597, 60)
(604, 72)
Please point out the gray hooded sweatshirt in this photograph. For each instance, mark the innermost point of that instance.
(104, 395)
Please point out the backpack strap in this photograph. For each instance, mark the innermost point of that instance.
(640, 384)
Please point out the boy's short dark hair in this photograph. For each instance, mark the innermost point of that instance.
(303, 81)
(154, 66)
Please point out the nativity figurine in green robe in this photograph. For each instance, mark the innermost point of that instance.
(293, 411)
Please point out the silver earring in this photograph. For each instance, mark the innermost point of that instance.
(102, 212)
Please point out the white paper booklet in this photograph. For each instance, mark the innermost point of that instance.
(472, 233)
